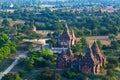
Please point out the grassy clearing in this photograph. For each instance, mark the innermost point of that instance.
(104, 39)
(43, 32)
(13, 22)
(16, 22)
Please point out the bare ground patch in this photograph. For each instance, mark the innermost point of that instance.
(43, 32)
(16, 22)
(104, 39)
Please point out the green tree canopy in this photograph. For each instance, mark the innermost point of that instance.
(11, 76)
(3, 39)
(5, 22)
(46, 52)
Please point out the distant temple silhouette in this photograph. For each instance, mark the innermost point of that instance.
(33, 28)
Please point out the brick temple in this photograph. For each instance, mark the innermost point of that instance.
(67, 38)
(91, 62)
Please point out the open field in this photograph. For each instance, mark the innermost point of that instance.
(104, 39)
(43, 32)
(14, 22)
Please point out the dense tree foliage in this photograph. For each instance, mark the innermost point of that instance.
(49, 74)
(52, 42)
(80, 46)
(112, 63)
(11, 76)
(3, 39)
(37, 59)
(70, 74)
(84, 23)
(110, 75)
(46, 52)
(5, 22)
(6, 47)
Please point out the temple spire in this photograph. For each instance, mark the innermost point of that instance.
(73, 35)
(89, 54)
(33, 28)
(66, 34)
(67, 37)
(95, 47)
(66, 27)
(98, 54)
(69, 51)
(89, 51)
